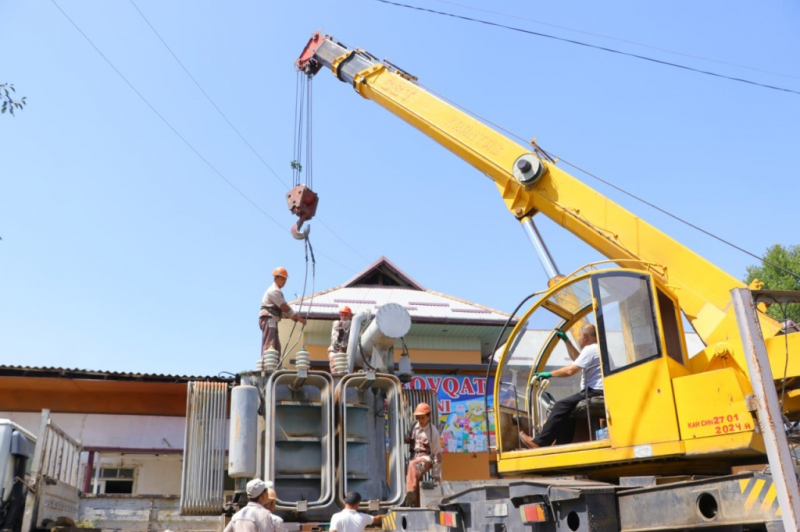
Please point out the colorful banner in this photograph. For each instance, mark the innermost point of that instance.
(463, 419)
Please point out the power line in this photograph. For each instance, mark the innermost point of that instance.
(207, 96)
(681, 220)
(231, 123)
(596, 47)
(626, 41)
(615, 187)
(188, 144)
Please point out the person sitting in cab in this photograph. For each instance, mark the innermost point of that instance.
(560, 427)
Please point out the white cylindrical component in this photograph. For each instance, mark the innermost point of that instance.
(356, 325)
(271, 360)
(302, 360)
(391, 322)
(404, 366)
(340, 363)
(243, 442)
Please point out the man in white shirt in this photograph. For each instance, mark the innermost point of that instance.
(559, 426)
(273, 308)
(254, 517)
(350, 519)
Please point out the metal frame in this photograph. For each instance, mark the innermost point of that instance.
(324, 382)
(770, 418)
(56, 461)
(393, 387)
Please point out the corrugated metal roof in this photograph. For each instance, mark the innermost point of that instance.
(76, 373)
(423, 305)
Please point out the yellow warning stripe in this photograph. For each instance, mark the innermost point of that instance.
(751, 499)
(769, 498)
(389, 521)
(755, 487)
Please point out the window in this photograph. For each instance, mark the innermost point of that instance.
(671, 327)
(626, 318)
(114, 480)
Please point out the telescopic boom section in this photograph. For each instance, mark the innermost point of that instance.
(530, 185)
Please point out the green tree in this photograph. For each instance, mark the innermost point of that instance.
(774, 278)
(9, 103)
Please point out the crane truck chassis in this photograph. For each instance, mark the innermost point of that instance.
(678, 442)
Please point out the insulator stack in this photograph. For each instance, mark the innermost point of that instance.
(270, 360)
(302, 359)
(340, 363)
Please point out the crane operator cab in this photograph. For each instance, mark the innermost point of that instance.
(642, 348)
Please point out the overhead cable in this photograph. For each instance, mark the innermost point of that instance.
(594, 46)
(209, 97)
(175, 131)
(552, 157)
(234, 127)
(626, 41)
(231, 124)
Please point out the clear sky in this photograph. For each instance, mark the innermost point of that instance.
(123, 250)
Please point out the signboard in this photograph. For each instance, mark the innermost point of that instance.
(463, 417)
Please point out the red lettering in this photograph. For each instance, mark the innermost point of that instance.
(433, 383)
(417, 383)
(466, 388)
(480, 385)
(444, 406)
(450, 387)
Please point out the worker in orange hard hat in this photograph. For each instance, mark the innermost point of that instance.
(340, 333)
(273, 308)
(426, 453)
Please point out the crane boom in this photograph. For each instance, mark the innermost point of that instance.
(530, 185)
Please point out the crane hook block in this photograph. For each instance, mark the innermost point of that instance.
(302, 201)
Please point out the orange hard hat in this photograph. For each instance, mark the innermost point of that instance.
(280, 271)
(422, 409)
(345, 310)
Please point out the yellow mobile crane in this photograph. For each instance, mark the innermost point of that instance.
(665, 412)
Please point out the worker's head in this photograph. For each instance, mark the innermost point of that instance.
(280, 274)
(352, 499)
(272, 499)
(423, 414)
(257, 490)
(587, 336)
(345, 314)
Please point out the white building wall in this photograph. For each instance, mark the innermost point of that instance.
(160, 438)
(106, 430)
(153, 474)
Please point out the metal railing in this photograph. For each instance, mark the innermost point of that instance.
(56, 464)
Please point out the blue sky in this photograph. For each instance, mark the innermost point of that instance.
(123, 250)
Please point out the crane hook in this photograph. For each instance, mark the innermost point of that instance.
(302, 201)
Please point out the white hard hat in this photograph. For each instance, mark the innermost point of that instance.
(256, 487)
